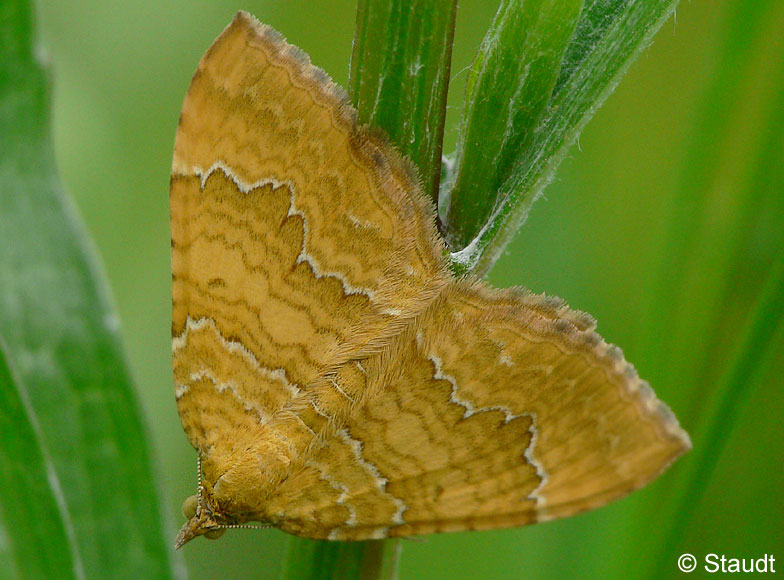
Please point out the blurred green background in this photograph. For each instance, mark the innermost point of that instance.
(688, 148)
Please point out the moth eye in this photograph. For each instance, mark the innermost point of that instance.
(189, 506)
(215, 534)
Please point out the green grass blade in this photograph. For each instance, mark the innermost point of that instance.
(507, 93)
(317, 560)
(61, 336)
(701, 238)
(755, 347)
(32, 519)
(608, 38)
(724, 235)
(399, 76)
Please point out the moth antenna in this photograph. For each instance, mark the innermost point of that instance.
(200, 486)
(248, 526)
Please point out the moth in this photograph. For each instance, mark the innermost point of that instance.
(335, 378)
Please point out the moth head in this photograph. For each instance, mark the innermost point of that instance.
(203, 519)
(201, 522)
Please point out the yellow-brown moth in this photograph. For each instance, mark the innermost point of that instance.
(335, 379)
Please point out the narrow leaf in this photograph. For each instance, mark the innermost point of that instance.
(320, 560)
(508, 89)
(608, 37)
(61, 337)
(754, 347)
(30, 513)
(724, 235)
(400, 74)
(705, 223)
